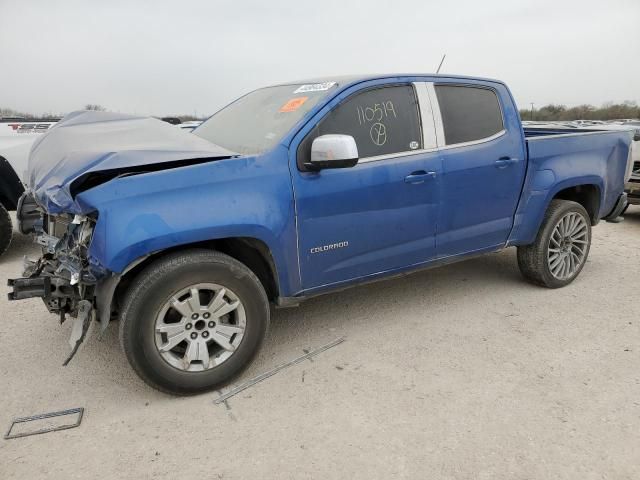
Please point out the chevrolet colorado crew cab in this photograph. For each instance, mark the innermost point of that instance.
(292, 191)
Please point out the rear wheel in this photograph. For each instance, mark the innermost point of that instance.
(6, 229)
(192, 321)
(561, 247)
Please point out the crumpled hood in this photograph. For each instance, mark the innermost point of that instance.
(113, 144)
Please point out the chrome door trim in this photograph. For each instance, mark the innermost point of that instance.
(388, 156)
(437, 116)
(429, 139)
(475, 142)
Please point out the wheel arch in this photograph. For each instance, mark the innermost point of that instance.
(588, 195)
(587, 191)
(252, 252)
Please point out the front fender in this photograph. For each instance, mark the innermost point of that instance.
(239, 197)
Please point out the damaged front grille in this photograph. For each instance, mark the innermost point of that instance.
(64, 262)
(57, 226)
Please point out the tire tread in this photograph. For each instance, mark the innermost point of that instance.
(532, 259)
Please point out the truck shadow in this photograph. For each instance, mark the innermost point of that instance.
(632, 215)
(365, 302)
(423, 296)
(352, 313)
(20, 246)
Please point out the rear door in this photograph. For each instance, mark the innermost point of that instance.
(381, 214)
(483, 162)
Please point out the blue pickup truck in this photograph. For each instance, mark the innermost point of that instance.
(292, 191)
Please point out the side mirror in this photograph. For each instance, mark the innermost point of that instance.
(636, 136)
(334, 151)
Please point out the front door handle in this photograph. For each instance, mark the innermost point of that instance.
(504, 162)
(419, 177)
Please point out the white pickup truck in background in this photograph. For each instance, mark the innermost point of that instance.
(16, 137)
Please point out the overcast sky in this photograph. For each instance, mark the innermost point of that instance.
(177, 57)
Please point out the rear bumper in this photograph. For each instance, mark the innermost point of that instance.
(619, 207)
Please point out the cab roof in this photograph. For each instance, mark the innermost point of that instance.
(345, 80)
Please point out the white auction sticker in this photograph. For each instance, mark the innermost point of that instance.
(314, 87)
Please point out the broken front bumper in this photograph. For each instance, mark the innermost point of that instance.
(63, 276)
(29, 288)
(44, 279)
(61, 298)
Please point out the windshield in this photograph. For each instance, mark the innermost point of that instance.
(256, 122)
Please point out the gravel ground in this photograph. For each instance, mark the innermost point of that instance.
(463, 372)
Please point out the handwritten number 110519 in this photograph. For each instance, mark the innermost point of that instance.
(377, 112)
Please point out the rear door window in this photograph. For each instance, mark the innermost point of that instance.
(468, 113)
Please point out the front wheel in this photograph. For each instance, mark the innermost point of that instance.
(192, 321)
(561, 247)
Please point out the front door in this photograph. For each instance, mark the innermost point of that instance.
(379, 215)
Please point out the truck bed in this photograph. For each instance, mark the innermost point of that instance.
(561, 158)
(530, 132)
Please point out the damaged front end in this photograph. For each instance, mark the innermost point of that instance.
(64, 276)
(86, 151)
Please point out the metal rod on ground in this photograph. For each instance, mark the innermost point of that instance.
(270, 373)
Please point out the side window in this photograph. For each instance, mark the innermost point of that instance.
(468, 113)
(382, 121)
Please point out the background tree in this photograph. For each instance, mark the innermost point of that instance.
(608, 111)
(10, 112)
(97, 108)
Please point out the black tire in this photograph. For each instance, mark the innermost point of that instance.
(6, 229)
(160, 281)
(532, 259)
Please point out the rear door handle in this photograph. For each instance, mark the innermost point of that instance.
(504, 162)
(419, 177)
